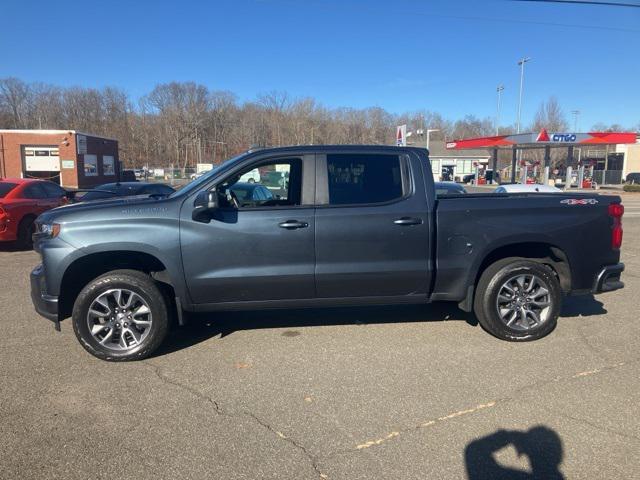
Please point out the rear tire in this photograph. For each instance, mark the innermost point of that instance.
(25, 233)
(518, 300)
(121, 316)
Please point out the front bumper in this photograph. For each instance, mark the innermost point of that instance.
(45, 305)
(608, 279)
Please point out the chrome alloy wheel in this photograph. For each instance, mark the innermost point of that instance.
(119, 319)
(524, 302)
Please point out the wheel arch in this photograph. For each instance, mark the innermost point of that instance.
(538, 251)
(88, 267)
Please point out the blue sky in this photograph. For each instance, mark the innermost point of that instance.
(445, 56)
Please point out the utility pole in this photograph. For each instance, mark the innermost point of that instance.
(521, 63)
(499, 90)
(575, 114)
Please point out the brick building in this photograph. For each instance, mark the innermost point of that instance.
(72, 159)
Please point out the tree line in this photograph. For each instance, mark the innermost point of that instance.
(184, 123)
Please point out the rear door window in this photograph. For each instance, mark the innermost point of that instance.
(357, 179)
(34, 191)
(52, 190)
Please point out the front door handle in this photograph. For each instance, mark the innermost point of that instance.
(408, 221)
(293, 224)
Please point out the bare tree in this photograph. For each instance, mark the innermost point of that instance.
(14, 96)
(550, 116)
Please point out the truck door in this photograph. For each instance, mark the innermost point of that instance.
(372, 226)
(259, 242)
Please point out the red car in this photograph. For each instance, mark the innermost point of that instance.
(21, 201)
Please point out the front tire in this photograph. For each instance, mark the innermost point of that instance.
(518, 300)
(121, 316)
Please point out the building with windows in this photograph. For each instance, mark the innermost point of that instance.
(67, 157)
(453, 166)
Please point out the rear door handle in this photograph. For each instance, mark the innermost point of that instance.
(408, 221)
(293, 224)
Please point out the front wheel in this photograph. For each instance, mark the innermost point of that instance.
(121, 316)
(518, 300)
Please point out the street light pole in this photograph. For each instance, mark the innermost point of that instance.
(429, 134)
(521, 63)
(575, 114)
(499, 90)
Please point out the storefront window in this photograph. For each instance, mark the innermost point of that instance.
(90, 165)
(108, 165)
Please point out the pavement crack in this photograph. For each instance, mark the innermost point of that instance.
(511, 397)
(312, 459)
(196, 393)
(601, 428)
(589, 345)
(245, 413)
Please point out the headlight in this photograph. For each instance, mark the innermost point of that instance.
(47, 230)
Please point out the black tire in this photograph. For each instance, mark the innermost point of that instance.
(25, 232)
(137, 282)
(489, 286)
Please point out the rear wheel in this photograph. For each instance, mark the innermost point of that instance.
(518, 300)
(121, 316)
(25, 232)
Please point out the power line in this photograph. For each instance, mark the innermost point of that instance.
(585, 2)
(405, 12)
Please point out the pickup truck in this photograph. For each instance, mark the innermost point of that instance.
(353, 225)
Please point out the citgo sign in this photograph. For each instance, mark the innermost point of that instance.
(563, 137)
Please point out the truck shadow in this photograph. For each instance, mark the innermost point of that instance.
(582, 306)
(203, 326)
(540, 446)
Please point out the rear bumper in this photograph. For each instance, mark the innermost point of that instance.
(608, 279)
(45, 305)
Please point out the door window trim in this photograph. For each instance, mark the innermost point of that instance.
(322, 181)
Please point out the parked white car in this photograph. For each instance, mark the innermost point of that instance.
(529, 188)
(251, 177)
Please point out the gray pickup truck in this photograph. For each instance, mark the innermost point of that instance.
(351, 225)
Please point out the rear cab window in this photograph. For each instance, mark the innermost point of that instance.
(366, 179)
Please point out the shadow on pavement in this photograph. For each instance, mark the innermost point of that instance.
(202, 326)
(540, 445)
(582, 306)
(13, 247)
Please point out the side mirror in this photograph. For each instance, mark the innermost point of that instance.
(205, 203)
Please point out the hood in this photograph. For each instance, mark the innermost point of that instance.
(97, 207)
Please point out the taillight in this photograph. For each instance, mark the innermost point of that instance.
(616, 210)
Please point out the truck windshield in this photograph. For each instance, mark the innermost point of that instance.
(195, 184)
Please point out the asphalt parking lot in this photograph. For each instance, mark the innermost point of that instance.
(405, 392)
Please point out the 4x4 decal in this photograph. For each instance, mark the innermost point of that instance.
(580, 201)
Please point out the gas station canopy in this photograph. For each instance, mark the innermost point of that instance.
(543, 139)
